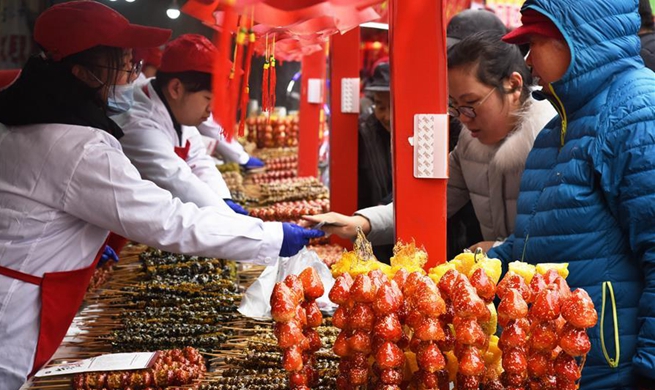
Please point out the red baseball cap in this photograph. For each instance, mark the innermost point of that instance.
(7, 77)
(75, 26)
(188, 52)
(534, 23)
(150, 56)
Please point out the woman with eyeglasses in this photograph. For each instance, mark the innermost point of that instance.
(65, 183)
(490, 93)
(489, 87)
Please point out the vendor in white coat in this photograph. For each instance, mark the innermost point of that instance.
(161, 138)
(212, 132)
(65, 183)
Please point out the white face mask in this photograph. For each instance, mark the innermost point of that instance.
(121, 99)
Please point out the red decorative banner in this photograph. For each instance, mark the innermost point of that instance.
(509, 11)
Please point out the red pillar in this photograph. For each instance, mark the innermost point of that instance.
(418, 86)
(344, 64)
(312, 68)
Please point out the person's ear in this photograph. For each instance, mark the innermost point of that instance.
(84, 75)
(514, 85)
(175, 89)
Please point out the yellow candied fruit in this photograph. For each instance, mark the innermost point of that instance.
(493, 353)
(452, 365)
(491, 326)
(526, 270)
(409, 257)
(492, 267)
(437, 272)
(464, 262)
(411, 365)
(561, 268)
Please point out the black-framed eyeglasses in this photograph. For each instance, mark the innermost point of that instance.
(132, 73)
(467, 111)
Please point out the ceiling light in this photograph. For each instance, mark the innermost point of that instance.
(173, 11)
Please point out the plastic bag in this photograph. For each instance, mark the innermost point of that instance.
(256, 299)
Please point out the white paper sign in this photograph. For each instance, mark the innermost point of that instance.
(350, 95)
(112, 362)
(431, 146)
(315, 91)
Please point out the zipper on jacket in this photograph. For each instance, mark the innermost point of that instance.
(559, 107)
(613, 362)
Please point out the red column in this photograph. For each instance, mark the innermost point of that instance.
(344, 64)
(312, 67)
(418, 86)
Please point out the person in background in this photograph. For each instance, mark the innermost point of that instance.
(161, 138)
(374, 182)
(374, 140)
(588, 191)
(647, 34)
(65, 183)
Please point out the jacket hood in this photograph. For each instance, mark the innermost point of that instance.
(602, 38)
(511, 153)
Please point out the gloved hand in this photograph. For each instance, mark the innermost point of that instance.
(107, 255)
(253, 163)
(235, 207)
(295, 238)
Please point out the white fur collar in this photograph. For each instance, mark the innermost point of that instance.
(510, 154)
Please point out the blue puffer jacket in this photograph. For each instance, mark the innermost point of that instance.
(588, 191)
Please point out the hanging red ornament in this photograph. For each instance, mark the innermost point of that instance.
(220, 78)
(245, 93)
(235, 79)
(272, 80)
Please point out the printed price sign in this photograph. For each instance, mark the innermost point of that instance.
(112, 362)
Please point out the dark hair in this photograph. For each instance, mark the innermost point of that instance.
(193, 81)
(98, 59)
(646, 14)
(495, 60)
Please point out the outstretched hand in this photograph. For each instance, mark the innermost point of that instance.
(334, 223)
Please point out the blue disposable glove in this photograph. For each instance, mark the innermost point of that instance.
(253, 163)
(295, 238)
(235, 207)
(107, 255)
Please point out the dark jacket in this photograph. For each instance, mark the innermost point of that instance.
(648, 49)
(588, 190)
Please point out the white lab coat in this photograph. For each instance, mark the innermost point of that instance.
(231, 151)
(62, 189)
(149, 142)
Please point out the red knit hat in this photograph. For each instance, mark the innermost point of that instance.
(534, 23)
(189, 52)
(75, 26)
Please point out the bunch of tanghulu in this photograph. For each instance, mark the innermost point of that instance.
(296, 316)
(404, 328)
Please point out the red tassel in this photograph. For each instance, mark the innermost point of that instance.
(235, 80)
(221, 70)
(245, 93)
(265, 87)
(272, 83)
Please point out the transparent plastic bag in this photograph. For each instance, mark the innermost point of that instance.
(256, 299)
